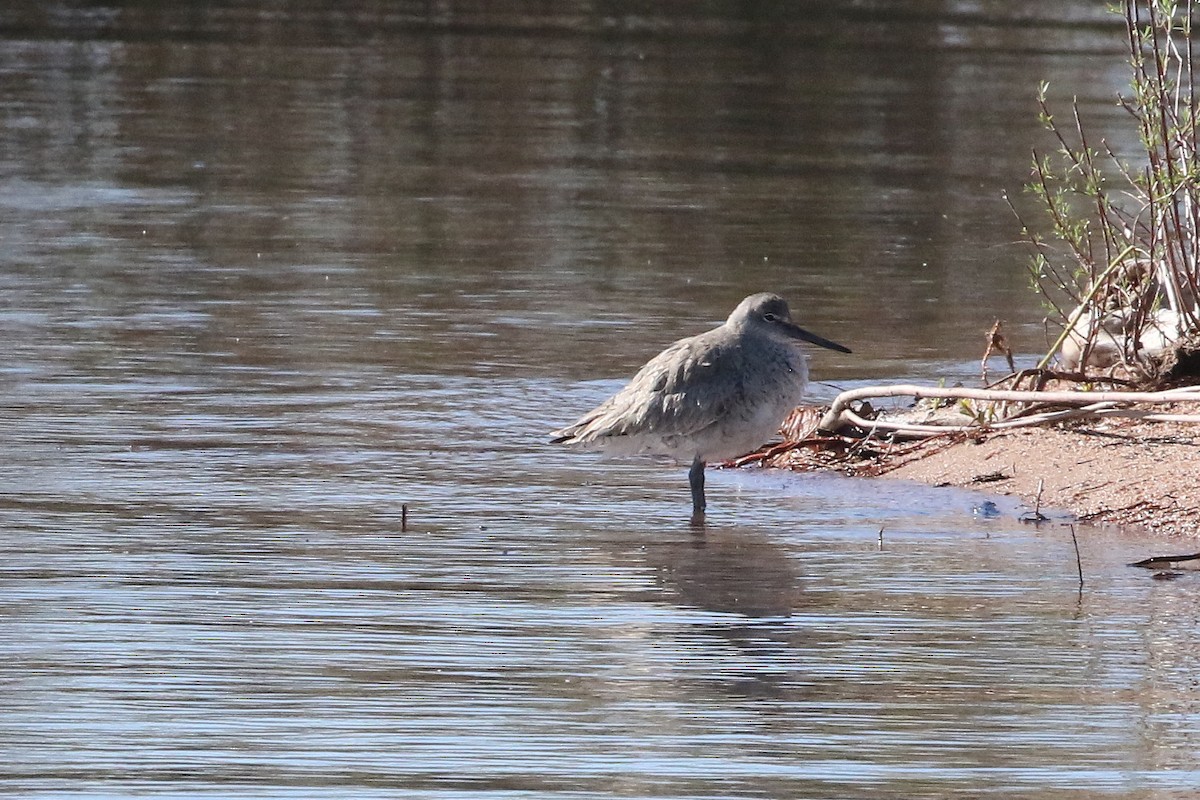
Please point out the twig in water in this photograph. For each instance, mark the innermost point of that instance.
(1078, 560)
(1037, 515)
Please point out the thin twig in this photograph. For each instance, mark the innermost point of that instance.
(1078, 560)
(1037, 515)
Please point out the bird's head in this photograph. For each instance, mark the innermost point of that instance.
(769, 314)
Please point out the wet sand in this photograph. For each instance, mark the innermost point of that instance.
(1126, 472)
(1115, 471)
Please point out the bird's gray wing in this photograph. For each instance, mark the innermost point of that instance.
(681, 391)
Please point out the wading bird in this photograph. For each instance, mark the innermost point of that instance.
(709, 397)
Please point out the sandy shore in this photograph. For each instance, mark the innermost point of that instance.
(1122, 472)
(1125, 473)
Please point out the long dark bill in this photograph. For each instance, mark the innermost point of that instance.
(800, 333)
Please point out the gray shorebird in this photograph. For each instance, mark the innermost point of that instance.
(709, 397)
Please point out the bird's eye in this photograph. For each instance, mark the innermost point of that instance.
(770, 317)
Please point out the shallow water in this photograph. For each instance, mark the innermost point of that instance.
(269, 276)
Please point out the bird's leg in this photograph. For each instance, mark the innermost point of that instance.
(696, 479)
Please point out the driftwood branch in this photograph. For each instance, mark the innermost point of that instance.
(1072, 404)
(1154, 562)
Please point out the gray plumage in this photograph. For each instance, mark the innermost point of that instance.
(708, 397)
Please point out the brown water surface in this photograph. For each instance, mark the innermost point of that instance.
(269, 271)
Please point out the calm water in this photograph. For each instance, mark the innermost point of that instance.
(268, 271)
